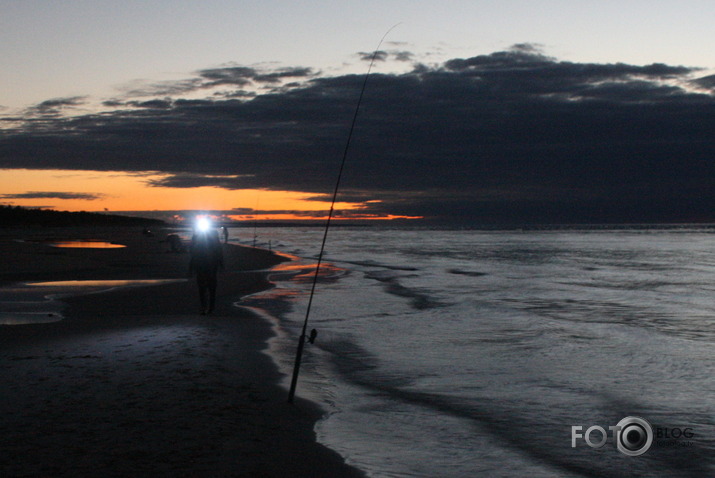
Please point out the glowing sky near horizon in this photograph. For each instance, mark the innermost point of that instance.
(116, 191)
(100, 50)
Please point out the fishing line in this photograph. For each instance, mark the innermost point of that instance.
(301, 340)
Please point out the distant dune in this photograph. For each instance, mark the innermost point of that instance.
(19, 216)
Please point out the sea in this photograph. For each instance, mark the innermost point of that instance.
(540, 352)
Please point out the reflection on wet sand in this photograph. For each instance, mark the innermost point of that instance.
(36, 302)
(103, 283)
(86, 244)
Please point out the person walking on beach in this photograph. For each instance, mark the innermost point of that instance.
(206, 259)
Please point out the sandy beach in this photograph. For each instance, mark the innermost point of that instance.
(134, 382)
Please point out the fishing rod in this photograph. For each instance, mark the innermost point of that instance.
(313, 333)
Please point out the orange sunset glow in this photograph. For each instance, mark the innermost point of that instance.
(118, 192)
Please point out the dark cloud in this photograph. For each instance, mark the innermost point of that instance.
(238, 75)
(354, 214)
(192, 180)
(513, 136)
(277, 76)
(56, 106)
(403, 55)
(244, 94)
(230, 76)
(165, 88)
(53, 195)
(243, 76)
(157, 103)
(707, 82)
(378, 55)
(385, 55)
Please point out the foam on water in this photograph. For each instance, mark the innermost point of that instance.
(465, 353)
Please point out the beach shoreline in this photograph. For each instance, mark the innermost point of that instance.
(134, 381)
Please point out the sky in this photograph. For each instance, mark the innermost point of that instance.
(474, 112)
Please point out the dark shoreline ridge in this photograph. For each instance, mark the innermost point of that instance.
(133, 382)
(19, 216)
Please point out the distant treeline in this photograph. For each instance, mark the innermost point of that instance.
(20, 216)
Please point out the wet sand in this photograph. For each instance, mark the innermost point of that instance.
(134, 382)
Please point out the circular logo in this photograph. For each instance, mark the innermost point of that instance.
(634, 436)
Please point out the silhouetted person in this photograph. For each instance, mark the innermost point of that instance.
(206, 259)
(224, 230)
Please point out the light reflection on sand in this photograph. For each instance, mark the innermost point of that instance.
(20, 318)
(86, 244)
(20, 305)
(103, 283)
(37, 302)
